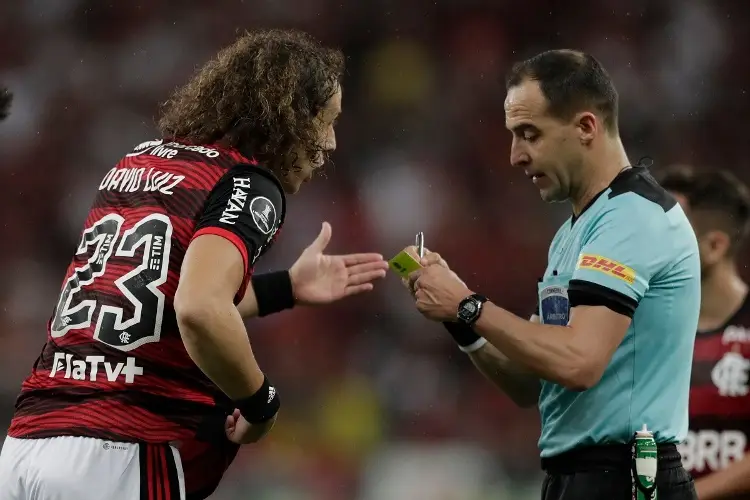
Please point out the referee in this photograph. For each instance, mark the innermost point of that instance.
(610, 347)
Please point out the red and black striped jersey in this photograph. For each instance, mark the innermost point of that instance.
(720, 397)
(114, 366)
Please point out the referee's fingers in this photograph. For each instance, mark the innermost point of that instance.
(413, 277)
(414, 252)
(420, 296)
(432, 259)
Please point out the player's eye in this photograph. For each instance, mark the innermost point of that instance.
(530, 135)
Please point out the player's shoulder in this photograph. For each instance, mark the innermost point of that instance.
(742, 316)
(249, 177)
(170, 149)
(251, 189)
(206, 159)
(200, 165)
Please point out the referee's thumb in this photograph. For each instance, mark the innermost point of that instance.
(321, 242)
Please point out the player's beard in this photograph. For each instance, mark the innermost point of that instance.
(295, 177)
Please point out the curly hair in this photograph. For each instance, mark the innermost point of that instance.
(5, 99)
(261, 95)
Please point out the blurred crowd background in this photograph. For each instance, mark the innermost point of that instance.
(378, 403)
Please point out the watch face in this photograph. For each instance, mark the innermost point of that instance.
(468, 310)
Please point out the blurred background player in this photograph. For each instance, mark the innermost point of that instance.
(718, 206)
(618, 301)
(5, 99)
(147, 357)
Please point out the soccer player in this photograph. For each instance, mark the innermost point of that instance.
(5, 99)
(147, 357)
(718, 206)
(611, 345)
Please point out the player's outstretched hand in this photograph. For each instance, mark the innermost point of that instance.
(320, 279)
(240, 431)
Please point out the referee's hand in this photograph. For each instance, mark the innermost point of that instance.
(438, 292)
(429, 259)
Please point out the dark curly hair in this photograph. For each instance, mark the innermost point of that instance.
(5, 99)
(261, 95)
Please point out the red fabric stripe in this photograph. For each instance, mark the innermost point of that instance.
(159, 475)
(706, 401)
(150, 472)
(158, 460)
(164, 472)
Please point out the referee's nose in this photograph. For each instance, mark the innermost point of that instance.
(518, 155)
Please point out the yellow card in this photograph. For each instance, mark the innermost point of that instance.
(404, 264)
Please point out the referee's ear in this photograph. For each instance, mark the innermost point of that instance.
(588, 127)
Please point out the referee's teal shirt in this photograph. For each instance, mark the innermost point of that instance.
(634, 251)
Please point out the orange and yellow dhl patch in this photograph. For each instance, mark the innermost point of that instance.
(607, 266)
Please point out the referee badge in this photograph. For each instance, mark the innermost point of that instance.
(553, 303)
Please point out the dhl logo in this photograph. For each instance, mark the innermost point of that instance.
(607, 266)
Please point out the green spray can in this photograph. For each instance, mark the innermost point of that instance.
(645, 465)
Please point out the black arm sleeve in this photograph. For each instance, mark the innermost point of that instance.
(585, 293)
(246, 207)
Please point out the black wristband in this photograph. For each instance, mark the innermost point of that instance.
(261, 406)
(273, 292)
(464, 335)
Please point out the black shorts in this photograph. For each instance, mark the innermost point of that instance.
(603, 472)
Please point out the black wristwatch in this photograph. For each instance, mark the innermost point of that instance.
(470, 309)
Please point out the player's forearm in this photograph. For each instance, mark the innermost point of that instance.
(734, 481)
(550, 352)
(248, 306)
(267, 293)
(520, 385)
(216, 340)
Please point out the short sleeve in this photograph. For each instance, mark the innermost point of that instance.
(246, 207)
(616, 262)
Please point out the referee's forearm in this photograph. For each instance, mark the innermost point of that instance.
(216, 340)
(546, 350)
(520, 385)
